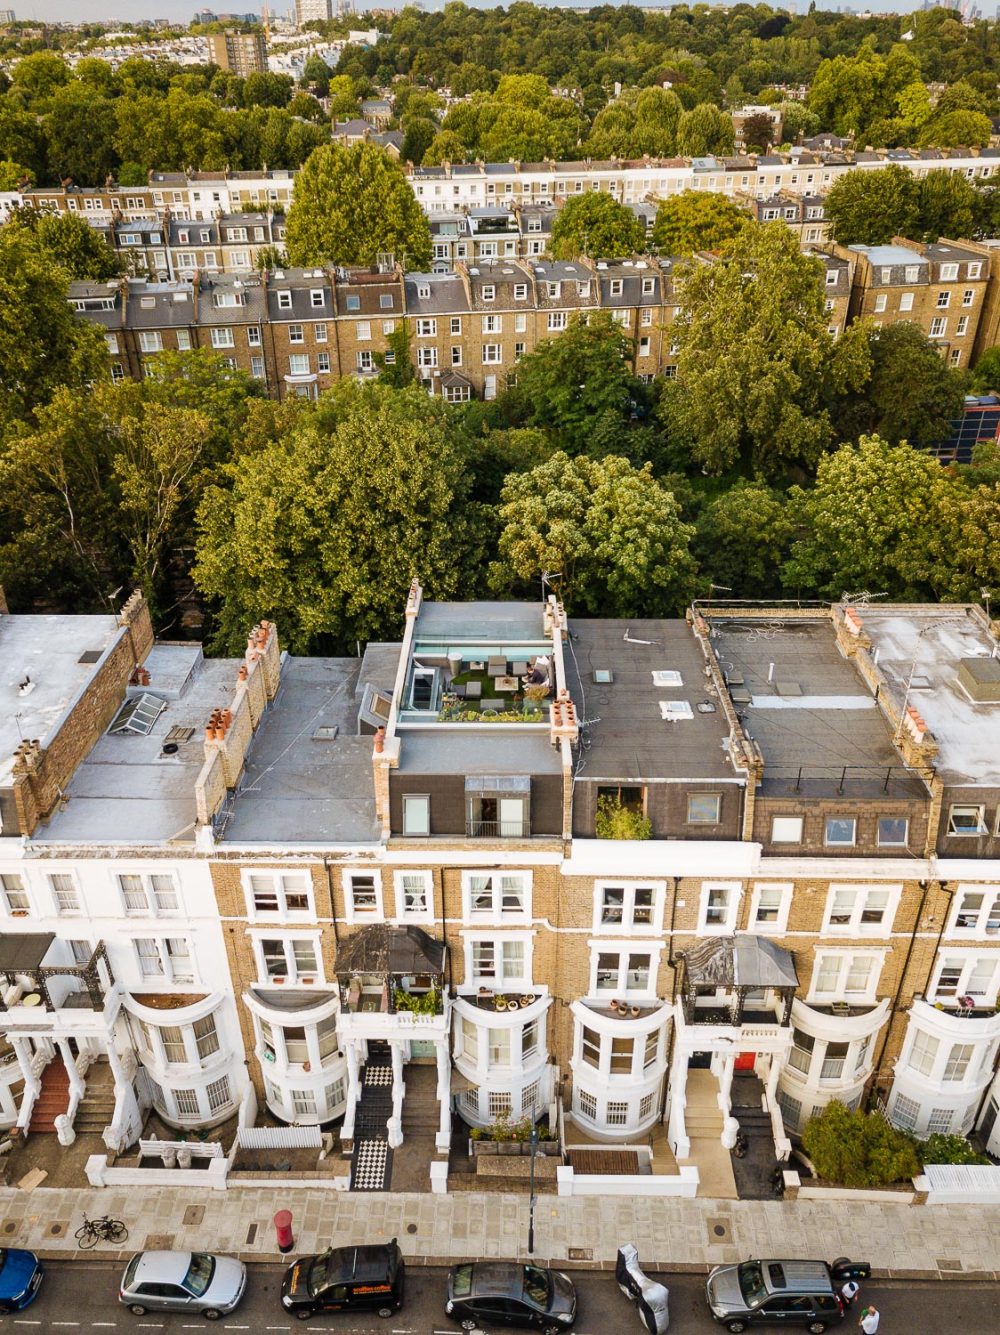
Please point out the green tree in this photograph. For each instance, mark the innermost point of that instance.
(880, 517)
(871, 207)
(344, 104)
(948, 205)
(743, 536)
(42, 343)
(316, 73)
(80, 130)
(70, 242)
(756, 367)
(913, 104)
(419, 136)
(305, 106)
(856, 1149)
(658, 113)
(38, 76)
(704, 131)
(324, 529)
(696, 220)
(12, 174)
(611, 530)
(399, 370)
(985, 376)
(797, 120)
(957, 129)
(578, 386)
(351, 204)
(598, 226)
(901, 354)
(445, 147)
(262, 89)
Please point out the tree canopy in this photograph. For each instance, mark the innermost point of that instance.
(756, 366)
(696, 220)
(596, 225)
(351, 204)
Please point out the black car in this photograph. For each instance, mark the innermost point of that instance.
(346, 1279)
(494, 1293)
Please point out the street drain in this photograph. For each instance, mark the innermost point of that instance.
(56, 1230)
(251, 1234)
(719, 1231)
(411, 1228)
(949, 1264)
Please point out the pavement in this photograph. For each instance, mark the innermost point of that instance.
(951, 1242)
(945, 1309)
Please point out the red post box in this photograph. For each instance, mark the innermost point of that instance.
(283, 1230)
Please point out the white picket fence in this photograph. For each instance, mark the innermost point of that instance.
(280, 1137)
(965, 1184)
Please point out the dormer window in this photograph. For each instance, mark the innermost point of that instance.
(284, 301)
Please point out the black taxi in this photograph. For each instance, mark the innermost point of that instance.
(345, 1279)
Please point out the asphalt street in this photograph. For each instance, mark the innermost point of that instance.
(80, 1297)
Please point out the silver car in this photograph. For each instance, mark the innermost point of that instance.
(183, 1282)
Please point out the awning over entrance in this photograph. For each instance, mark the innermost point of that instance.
(742, 960)
(381, 949)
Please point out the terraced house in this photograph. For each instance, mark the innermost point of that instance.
(645, 879)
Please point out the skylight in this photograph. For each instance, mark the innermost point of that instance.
(138, 715)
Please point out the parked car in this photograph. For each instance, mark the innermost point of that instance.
(782, 1293)
(505, 1293)
(346, 1279)
(20, 1276)
(183, 1282)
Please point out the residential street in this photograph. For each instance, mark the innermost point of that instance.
(81, 1295)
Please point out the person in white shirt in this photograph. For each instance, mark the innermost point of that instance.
(850, 1291)
(869, 1320)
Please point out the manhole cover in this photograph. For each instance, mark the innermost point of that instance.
(159, 1242)
(949, 1263)
(251, 1234)
(411, 1228)
(719, 1230)
(581, 1253)
(194, 1214)
(56, 1230)
(10, 1227)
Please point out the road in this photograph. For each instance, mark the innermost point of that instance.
(80, 1297)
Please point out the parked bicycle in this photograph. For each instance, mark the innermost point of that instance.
(105, 1229)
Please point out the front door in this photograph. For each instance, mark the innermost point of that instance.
(745, 1061)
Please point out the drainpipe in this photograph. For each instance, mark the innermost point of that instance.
(444, 929)
(673, 996)
(893, 1011)
(333, 908)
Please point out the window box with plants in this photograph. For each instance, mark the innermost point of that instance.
(504, 1136)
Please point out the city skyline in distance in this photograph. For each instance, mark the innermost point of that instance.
(133, 11)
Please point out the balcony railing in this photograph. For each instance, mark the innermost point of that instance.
(497, 829)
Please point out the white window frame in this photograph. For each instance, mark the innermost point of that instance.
(967, 807)
(786, 822)
(948, 273)
(351, 912)
(403, 915)
(627, 923)
(968, 961)
(840, 843)
(734, 890)
(409, 799)
(779, 924)
(906, 301)
(283, 884)
(988, 910)
(154, 907)
(496, 913)
(855, 927)
(626, 951)
(167, 971)
(846, 958)
(701, 795)
(315, 939)
(499, 980)
(900, 843)
(73, 906)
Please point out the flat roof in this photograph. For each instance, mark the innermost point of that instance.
(43, 674)
(890, 255)
(625, 733)
(806, 706)
(300, 784)
(126, 791)
(929, 644)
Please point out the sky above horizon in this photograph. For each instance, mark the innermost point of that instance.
(125, 11)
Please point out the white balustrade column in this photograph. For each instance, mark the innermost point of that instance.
(76, 1081)
(774, 1071)
(353, 1089)
(726, 1085)
(443, 1138)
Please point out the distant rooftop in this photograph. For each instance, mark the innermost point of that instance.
(890, 255)
(942, 651)
(47, 662)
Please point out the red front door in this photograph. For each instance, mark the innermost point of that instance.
(745, 1061)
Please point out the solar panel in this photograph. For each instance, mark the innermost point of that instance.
(138, 715)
